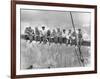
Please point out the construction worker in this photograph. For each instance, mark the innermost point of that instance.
(74, 40)
(59, 35)
(43, 35)
(37, 34)
(29, 33)
(26, 31)
(69, 37)
(80, 37)
(48, 35)
(54, 36)
(64, 36)
(26, 34)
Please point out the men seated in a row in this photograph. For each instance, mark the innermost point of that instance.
(54, 36)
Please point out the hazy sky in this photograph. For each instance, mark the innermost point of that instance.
(54, 19)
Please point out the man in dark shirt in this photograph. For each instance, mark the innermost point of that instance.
(69, 37)
(37, 34)
(74, 38)
(80, 37)
(64, 36)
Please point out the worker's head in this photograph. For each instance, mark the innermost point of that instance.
(64, 30)
(29, 27)
(43, 27)
(79, 30)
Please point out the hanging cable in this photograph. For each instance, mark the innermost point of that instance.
(79, 47)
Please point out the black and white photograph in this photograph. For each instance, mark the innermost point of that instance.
(55, 39)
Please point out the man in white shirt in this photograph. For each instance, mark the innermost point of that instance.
(43, 35)
(64, 36)
(43, 31)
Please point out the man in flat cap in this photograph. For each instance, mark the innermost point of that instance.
(64, 35)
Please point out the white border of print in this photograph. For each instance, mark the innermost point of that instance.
(41, 71)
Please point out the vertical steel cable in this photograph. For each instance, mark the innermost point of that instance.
(77, 42)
